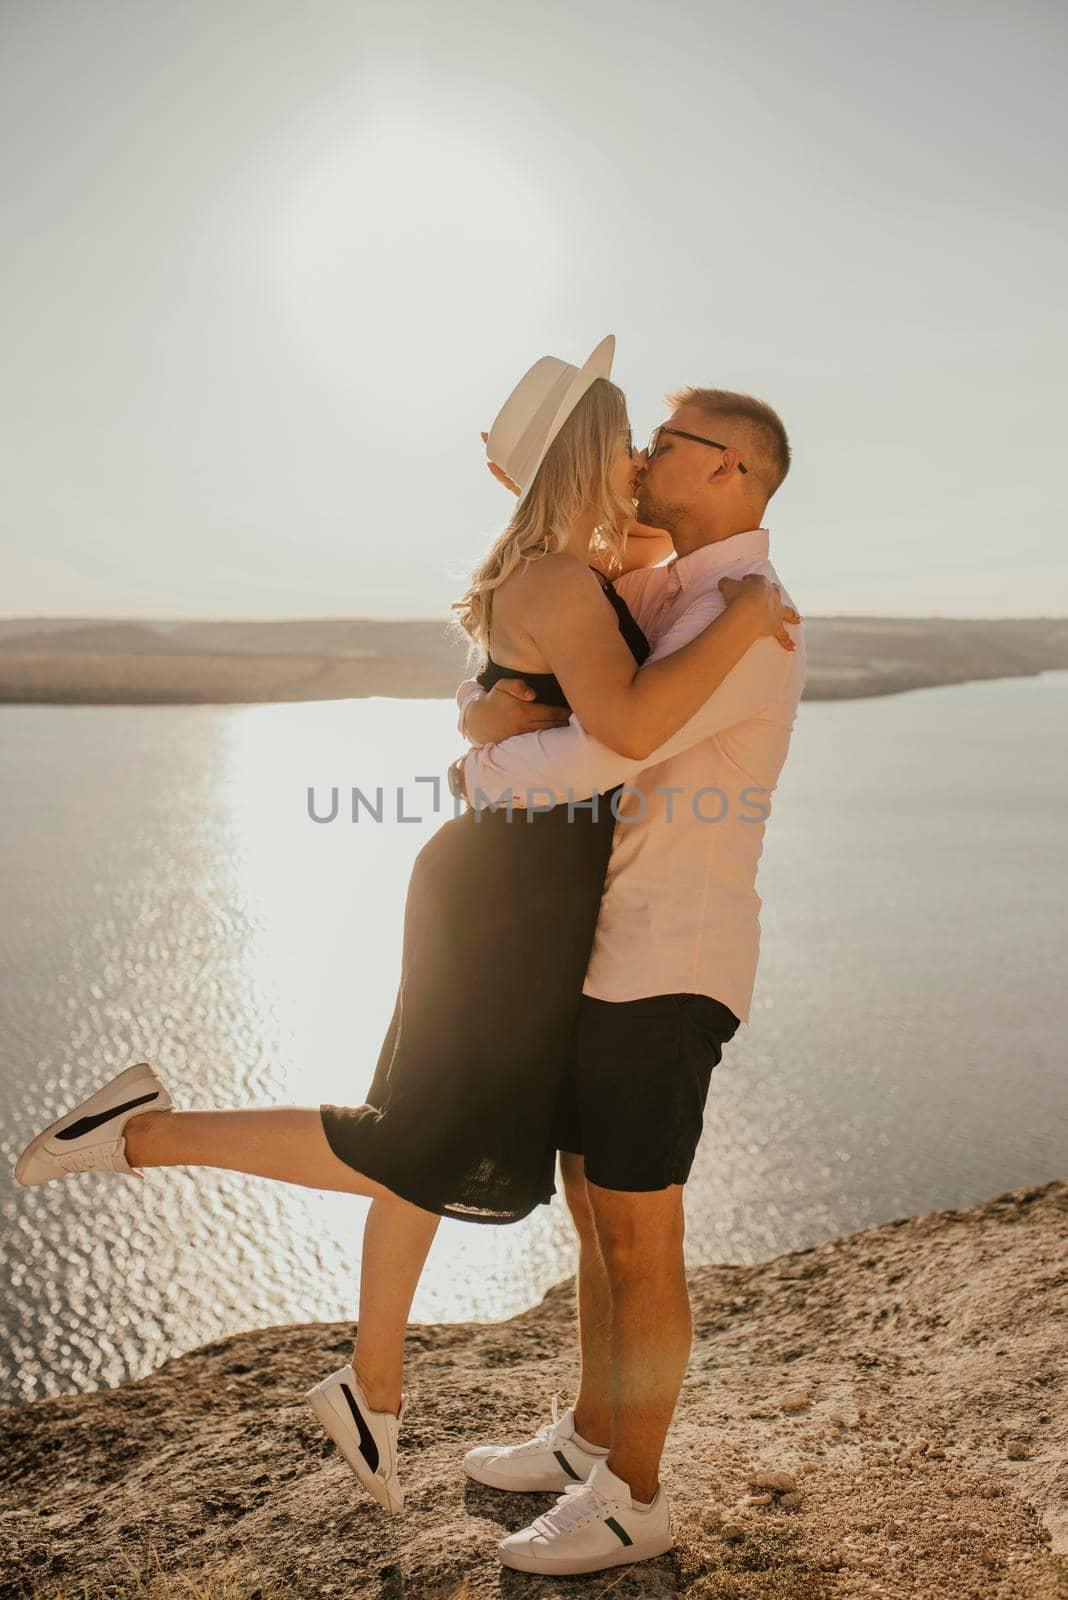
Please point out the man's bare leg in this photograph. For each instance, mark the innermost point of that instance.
(641, 1240)
(593, 1404)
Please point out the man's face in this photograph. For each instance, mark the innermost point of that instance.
(676, 479)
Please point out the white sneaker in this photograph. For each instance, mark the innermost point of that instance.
(593, 1525)
(367, 1439)
(551, 1460)
(90, 1138)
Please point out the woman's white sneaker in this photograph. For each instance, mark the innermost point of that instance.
(551, 1460)
(367, 1439)
(90, 1138)
(593, 1525)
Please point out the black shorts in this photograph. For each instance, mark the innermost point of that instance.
(633, 1094)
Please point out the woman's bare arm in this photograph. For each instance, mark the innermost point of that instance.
(645, 547)
(634, 710)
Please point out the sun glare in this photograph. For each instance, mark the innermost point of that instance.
(407, 243)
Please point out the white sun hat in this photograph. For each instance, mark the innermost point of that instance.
(537, 409)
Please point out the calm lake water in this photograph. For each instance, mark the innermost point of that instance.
(165, 895)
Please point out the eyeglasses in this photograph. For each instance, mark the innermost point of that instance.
(655, 436)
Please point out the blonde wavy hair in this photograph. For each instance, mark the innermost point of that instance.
(574, 475)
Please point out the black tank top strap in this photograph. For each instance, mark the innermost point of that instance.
(628, 627)
(546, 685)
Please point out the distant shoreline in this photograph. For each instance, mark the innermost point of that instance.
(52, 661)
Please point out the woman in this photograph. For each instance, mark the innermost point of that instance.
(499, 920)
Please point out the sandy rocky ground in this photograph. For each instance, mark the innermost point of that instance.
(881, 1415)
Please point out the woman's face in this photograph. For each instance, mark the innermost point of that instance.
(624, 474)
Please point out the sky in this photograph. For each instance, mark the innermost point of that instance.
(266, 270)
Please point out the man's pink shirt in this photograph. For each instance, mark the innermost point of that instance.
(680, 912)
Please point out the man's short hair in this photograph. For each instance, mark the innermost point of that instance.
(763, 444)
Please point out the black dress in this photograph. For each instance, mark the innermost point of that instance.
(498, 927)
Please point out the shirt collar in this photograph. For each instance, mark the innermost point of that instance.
(752, 545)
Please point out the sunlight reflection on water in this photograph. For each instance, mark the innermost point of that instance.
(166, 895)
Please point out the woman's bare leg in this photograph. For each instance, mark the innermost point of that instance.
(396, 1241)
(283, 1142)
(288, 1143)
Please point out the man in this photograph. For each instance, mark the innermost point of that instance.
(669, 980)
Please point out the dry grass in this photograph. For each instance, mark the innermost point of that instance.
(146, 1579)
(236, 1579)
(765, 1565)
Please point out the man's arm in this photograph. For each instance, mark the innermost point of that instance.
(551, 764)
(509, 708)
